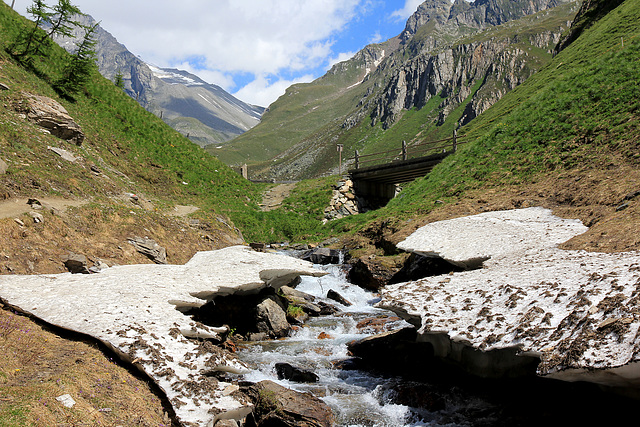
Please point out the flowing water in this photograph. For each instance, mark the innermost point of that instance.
(357, 398)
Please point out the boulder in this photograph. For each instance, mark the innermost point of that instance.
(369, 274)
(308, 303)
(150, 248)
(278, 406)
(271, 318)
(323, 256)
(76, 263)
(289, 372)
(333, 295)
(51, 115)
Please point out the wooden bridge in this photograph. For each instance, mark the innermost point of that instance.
(375, 176)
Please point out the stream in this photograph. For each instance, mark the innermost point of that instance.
(357, 398)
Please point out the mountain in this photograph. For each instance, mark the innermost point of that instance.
(204, 112)
(451, 63)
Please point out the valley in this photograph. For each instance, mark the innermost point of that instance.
(545, 127)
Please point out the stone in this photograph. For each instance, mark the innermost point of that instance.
(333, 295)
(293, 373)
(76, 264)
(37, 217)
(4, 86)
(3, 167)
(150, 248)
(63, 153)
(51, 115)
(368, 274)
(271, 319)
(323, 256)
(275, 405)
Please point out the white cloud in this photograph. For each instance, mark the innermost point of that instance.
(261, 91)
(229, 42)
(410, 6)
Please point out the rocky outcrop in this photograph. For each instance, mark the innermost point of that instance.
(52, 116)
(574, 313)
(275, 405)
(149, 248)
(590, 11)
(132, 310)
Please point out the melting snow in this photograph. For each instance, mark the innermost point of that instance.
(132, 309)
(578, 311)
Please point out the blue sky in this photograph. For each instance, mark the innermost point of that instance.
(254, 49)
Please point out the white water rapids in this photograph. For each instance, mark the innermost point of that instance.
(357, 398)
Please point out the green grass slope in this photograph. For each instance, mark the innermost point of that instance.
(579, 113)
(135, 151)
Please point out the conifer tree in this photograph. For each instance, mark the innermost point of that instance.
(62, 23)
(29, 42)
(78, 70)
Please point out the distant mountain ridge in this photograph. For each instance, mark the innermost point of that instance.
(203, 111)
(452, 61)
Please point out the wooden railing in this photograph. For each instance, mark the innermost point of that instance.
(419, 150)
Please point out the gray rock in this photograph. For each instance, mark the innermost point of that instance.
(49, 114)
(331, 294)
(76, 263)
(63, 153)
(272, 319)
(278, 406)
(150, 248)
(295, 374)
(37, 217)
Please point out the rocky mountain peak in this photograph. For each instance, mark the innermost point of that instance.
(431, 11)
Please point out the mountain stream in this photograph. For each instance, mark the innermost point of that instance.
(357, 398)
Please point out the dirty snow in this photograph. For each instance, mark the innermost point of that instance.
(578, 311)
(132, 309)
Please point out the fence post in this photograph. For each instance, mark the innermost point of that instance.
(455, 140)
(404, 150)
(357, 159)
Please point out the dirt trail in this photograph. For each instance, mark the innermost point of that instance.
(273, 198)
(15, 207)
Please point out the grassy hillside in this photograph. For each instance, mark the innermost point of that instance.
(568, 138)
(134, 151)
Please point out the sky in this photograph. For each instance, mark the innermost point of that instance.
(254, 49)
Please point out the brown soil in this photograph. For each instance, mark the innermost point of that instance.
(37, 366)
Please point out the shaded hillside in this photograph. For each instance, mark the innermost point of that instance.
(204, 112)
(444, 69)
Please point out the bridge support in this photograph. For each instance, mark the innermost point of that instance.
(374, 195)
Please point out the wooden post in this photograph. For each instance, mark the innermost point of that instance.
(339, 148)
(455, 140)
(357, 159)
(404, 150)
